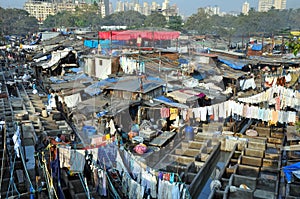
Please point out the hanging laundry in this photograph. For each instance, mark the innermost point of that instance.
(77, 160)
(222, 113)
(17, 141)
(112, 127)
(196, 112)
(216, 112)
(274, 118)
(277, 103)
(203, 113)
(64, 157)
(175, 192)
(173, 113)
(184, 114)
(247, 83)
(165, 112)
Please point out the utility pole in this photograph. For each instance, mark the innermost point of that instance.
(159, 65)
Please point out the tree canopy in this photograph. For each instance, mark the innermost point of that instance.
(16, 21)
(271, 22)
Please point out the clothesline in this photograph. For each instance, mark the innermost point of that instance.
(230, 108)
(288, 97)
(157, 179)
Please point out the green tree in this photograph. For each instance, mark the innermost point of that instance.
(199, 22)
(175, 23)
(156, 19)
(17, 21)
(131, 19)
(294, 44)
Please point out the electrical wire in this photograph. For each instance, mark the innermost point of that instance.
(49, 180)
(11, 180)
(86, 189)
(25, 168)
(3, 156)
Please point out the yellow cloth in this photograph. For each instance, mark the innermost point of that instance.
(173, 113)
(274, 118)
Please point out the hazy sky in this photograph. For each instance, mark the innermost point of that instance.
(187, 7)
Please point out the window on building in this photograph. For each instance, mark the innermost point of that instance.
(100, 62)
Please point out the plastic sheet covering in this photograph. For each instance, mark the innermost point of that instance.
(95, 89)
(56, 56)
(234, 65)
(288, 171)
(72, 100)
(257, 47)
(103, 43)
(169, 102)
(134, 34)
(57, 80)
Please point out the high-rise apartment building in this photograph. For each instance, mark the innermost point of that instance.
(264, 5)
(146, 9)
(165, 5)
(246, 8)
(154, 5)
(39, 9)
(215, 10)
(280, 4)
(104, 7)
(120, 6)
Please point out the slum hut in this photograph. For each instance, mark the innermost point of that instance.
(101, 66)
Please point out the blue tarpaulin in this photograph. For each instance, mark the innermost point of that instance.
(198, 76)
(183, 61)
(151, 78)
(101, 113)
(103, 43)
(257, 47)
(76, 70)
(288, 171)
(231, 64)
(95, 89)
(169, 102)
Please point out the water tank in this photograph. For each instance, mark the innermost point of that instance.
(189, 133)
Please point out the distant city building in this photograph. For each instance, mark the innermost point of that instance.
(146, 9)
(265, 5)
(39, 9)
(154, 5)
(246, 8)
(120, 6)
(111, 8)
(67, 6)
(280, 4)
(212, 10)
(165, 5)
(104, 7)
